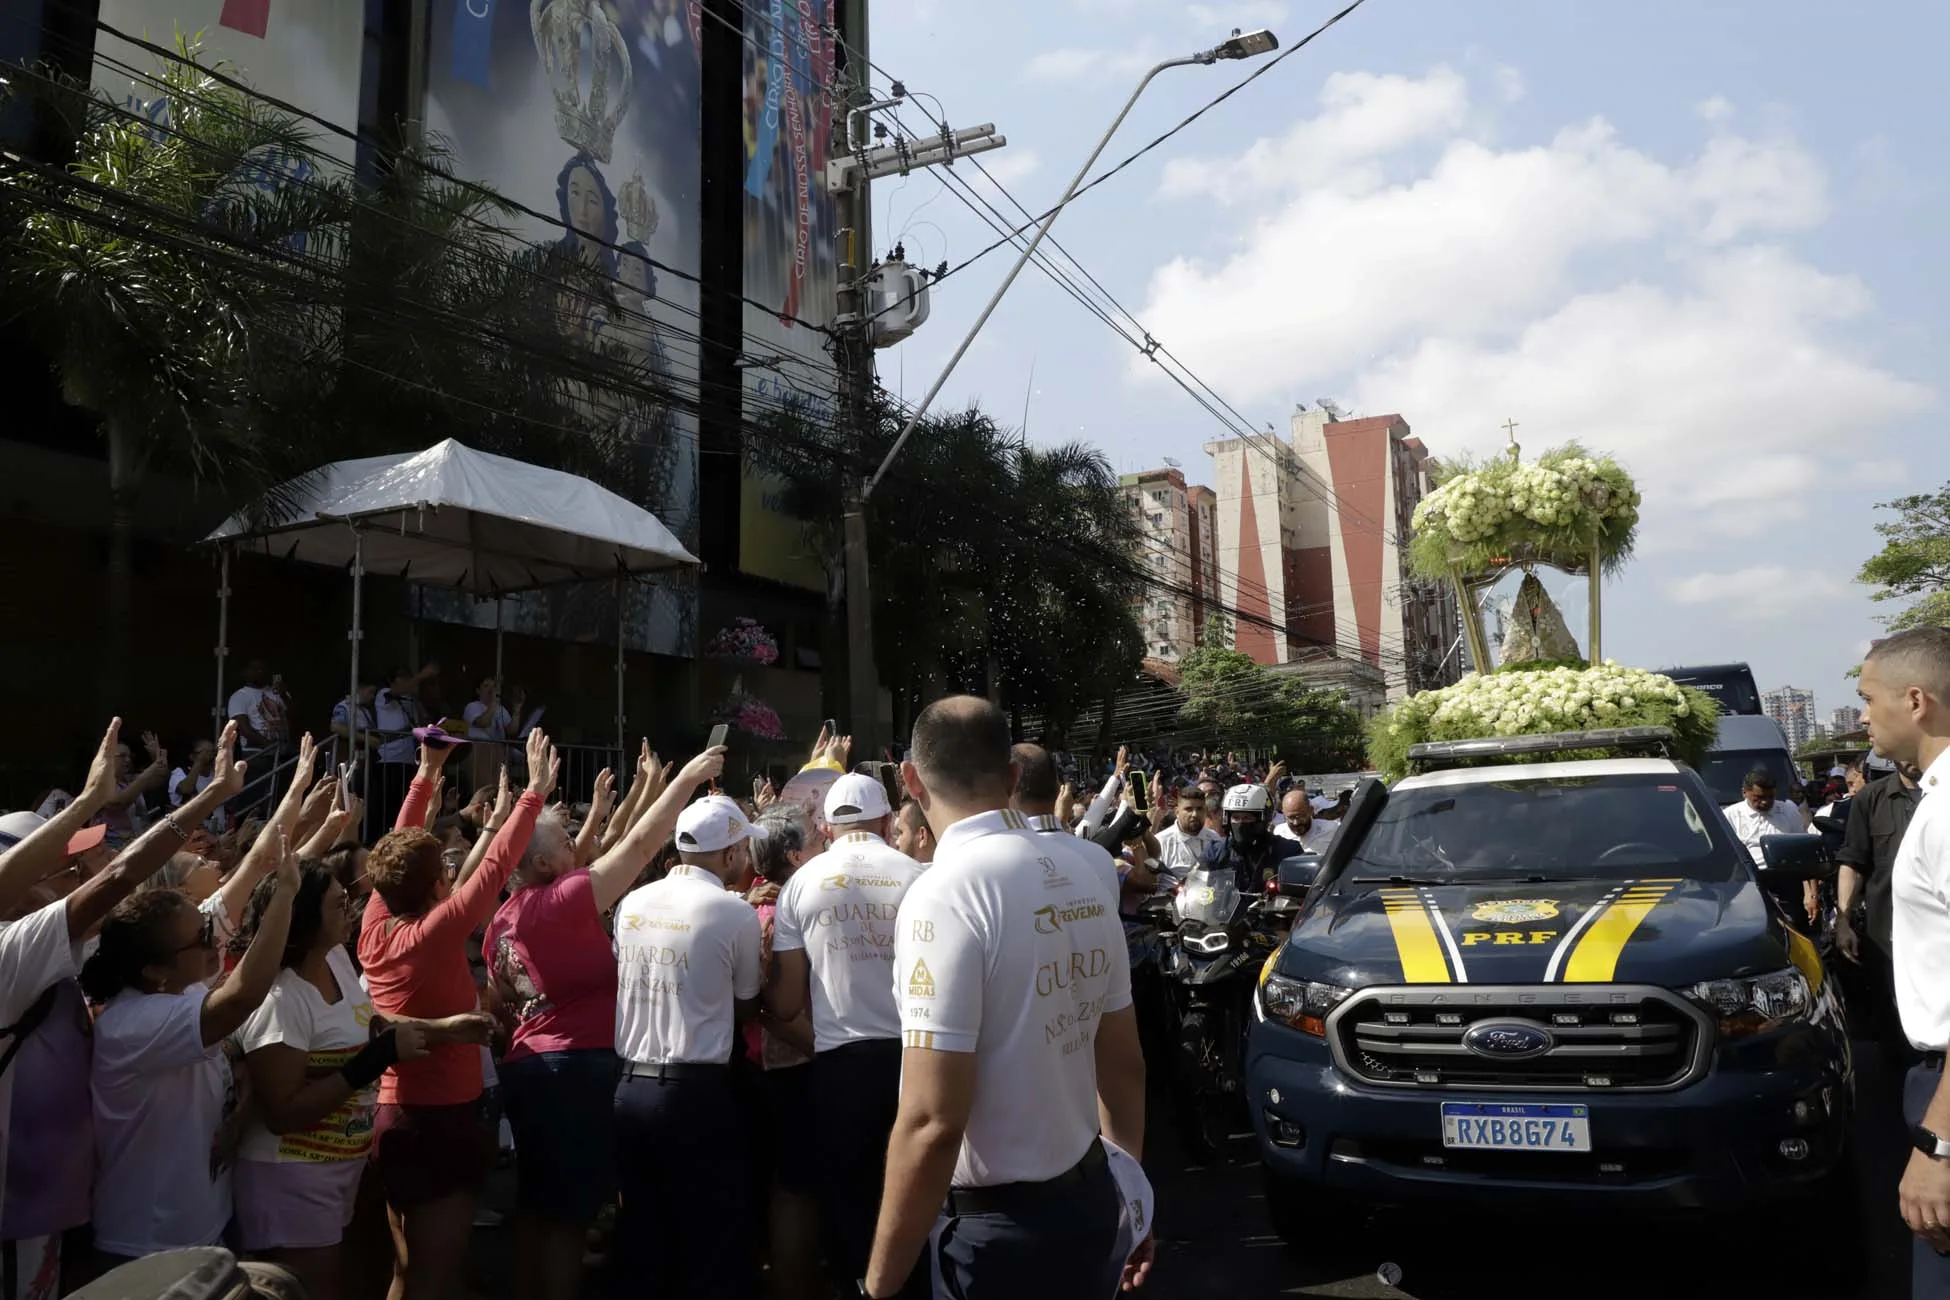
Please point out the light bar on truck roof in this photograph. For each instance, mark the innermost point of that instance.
(1450, 753)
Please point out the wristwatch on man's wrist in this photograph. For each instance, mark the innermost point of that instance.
(1929, 1143)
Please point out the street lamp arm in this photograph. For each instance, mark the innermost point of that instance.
(1029, 251)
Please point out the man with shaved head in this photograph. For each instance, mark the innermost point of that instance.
(1905, 688)
(1020, 1046)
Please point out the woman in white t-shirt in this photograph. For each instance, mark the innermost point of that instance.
(314, 1052)
(164, 1089)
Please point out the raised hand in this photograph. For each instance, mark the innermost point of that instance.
(1123, 761)
(287, 873)
(101, 771)
(708, 766)
(226, 771)
(819, 746)
(544, 765)
(504, 803)
(765, 796)
(320, 802)
(306, 768)
(158, 759)
(603, 797)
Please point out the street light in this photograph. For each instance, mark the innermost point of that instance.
(863, 686)
(1250, 45)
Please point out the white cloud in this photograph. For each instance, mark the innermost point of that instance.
(1087, 66)
(1246, 15)
(1011, 166)
(1642, 305)
(1760, 593)
(1365, 118)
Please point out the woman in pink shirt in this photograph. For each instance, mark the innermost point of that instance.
(427, 1151)
(554, 971)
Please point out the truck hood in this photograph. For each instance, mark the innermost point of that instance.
(1599, 931)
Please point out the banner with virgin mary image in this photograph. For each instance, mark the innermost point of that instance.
(588, 112)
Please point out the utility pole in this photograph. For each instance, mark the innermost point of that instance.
(854, 165)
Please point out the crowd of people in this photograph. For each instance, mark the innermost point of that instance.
(733, 1041)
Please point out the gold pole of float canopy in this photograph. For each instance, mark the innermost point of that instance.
(1595, 583)
(1472, 615)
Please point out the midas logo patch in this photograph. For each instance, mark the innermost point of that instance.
(1506, 938)
(1051, 920)
(1516, 911)
(920, 981)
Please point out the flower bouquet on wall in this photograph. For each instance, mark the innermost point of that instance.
(745, 639)
(750, 715)
(1568, 510)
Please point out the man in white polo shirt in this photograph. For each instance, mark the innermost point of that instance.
(1905, 688)
(687, 973)
(833, 941)
(1017, 1027)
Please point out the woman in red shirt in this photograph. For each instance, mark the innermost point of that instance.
(427, 1151)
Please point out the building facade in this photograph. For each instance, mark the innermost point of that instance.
(1311, 538)
(1168, 610)
(1206, 600)
(1794, 709)
(1842, 721)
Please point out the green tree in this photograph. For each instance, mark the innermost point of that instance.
(1232, 701)
(143, 271)
(990, 559)
(1914, 562)
(232, 308)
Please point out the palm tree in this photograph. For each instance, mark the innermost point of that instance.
(150, 270)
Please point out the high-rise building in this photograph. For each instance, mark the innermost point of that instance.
(1843, 721)
(1167, 515)
(1794, 709)
(1203, 504)
(1311, 539)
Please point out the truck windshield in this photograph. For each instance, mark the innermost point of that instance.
(1725, 772)
(1732, 687)
(1567, 828)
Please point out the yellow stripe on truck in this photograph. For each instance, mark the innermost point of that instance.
(1415, 938)
(1595, 959)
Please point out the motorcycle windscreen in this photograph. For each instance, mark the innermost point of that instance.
(1210, 897)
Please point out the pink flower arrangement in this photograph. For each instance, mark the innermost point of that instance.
(745, 639)
(750, 715)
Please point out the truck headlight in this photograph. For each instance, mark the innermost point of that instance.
(1300, 1004)
(1753, 1006)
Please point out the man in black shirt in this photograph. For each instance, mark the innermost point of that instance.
(1877, 818)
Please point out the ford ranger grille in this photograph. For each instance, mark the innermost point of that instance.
(1595, 1037)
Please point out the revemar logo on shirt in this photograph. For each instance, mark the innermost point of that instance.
(1052, 919)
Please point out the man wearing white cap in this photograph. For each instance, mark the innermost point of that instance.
(833, 940)
(688, 972)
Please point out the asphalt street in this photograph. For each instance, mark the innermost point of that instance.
(1214, 1239)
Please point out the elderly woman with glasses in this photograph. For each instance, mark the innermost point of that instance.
(165, 1091)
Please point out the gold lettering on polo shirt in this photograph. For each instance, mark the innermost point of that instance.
(920, 981)
(1054, 975)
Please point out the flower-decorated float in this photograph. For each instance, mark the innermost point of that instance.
(1568, 510)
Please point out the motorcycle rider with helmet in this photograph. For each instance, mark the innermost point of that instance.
(1251, 848)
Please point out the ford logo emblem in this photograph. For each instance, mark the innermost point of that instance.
(1508, 1040)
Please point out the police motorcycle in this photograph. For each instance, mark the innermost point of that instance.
(1217, 930)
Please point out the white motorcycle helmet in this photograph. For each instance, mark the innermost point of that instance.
(1248, 798)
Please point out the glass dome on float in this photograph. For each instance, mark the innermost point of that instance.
(1568, 510)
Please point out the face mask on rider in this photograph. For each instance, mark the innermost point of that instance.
(1249, 834)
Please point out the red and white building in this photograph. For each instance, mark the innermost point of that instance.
(1311, 542)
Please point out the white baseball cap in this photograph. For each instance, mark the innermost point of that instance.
(856, 798)
(712, 823)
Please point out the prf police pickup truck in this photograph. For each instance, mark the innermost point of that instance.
(1548, 984)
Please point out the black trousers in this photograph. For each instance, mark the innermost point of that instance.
(1929, 1272)
(855, 1093)
(1041, 1241)
(684, 1227)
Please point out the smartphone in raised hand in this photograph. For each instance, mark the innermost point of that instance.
(1139, 800)
(718, 734)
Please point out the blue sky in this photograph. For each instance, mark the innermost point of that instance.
(1704, 238)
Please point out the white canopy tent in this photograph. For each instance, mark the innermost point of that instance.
(451, 516)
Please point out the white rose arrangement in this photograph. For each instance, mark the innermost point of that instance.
(1539, 701)
(1551, 506)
